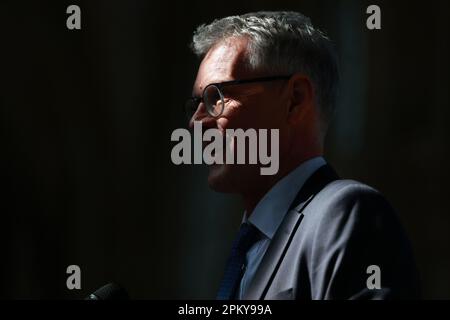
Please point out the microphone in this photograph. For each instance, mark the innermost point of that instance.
(110, 291)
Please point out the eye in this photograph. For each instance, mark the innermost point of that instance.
(227, 100)
(213, 100)
(227, 96)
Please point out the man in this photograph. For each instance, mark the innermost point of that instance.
(306, 234)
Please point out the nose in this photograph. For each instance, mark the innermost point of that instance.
(202, 115)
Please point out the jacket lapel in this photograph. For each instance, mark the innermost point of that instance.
(282, 238)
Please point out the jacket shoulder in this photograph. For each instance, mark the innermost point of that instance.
(342, 198)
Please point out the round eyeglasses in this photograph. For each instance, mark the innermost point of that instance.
(213, 97)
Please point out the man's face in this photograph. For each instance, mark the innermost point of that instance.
(253, 105)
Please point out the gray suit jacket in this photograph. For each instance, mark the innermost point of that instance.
(333, 232)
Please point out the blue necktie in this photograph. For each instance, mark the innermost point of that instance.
(246, 237)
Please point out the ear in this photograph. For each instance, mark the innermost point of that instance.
(300, 97)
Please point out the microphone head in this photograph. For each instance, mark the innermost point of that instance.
(111, 291)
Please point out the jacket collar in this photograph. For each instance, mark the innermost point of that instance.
(282, 238)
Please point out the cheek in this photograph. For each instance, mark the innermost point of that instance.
(233, 116)
(222, 124)
(269, 113)
(258, 112)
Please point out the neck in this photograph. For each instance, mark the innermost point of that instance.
(252, 198)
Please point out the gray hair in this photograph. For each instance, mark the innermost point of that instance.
(283, 43)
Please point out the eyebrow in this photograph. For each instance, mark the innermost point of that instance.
(244, 81)
(201, 88)
(216, 81)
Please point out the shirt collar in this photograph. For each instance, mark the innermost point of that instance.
(271, 209)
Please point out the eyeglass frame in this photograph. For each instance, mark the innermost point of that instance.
(195, 101)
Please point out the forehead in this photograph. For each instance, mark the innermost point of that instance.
(225, 61)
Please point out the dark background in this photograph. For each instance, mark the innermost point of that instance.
(86, 118)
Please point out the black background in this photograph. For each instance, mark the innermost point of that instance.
(86, 118)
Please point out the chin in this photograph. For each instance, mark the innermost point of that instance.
(229, 178)
(220, 178)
